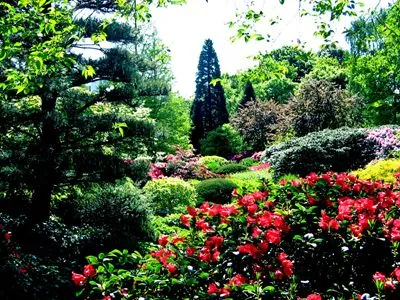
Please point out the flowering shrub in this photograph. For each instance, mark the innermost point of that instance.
(386, 140)
(321, 237)
(263, 166)
(184, 165)
(385, 170)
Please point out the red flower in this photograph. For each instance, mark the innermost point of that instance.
(185, 220)
(78, 279)
(249, 249)
(314, 297)
(163, 240)
(212, 289)
(89, 271)
(190, 251)
(278, 275)
(273, 236)
(256, 232)
(287, 267)
(107, 298)
(396, 273)
(171, 268)
(192, 211)
(389, 285)
(238, 280)
(252, 208)
(8, 236)
(378, 276)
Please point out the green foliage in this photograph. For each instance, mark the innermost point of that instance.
(248, 162)
(216, 190)
(264, 174)
(223, 141)
(169, 195)
(118, 208)
(260, 122)
(213, 162)
(320, 104)
(170, 224)
(231, 168)
(138, 169)
(338, 150)
(375, 68)
(380, 170)
(247, 185)
(329, 69)
(173, 122)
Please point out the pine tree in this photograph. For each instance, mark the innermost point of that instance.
(209, 106)
(54, 132)
(248, 95)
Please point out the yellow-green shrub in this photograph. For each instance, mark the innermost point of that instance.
(379, 170)
(213, 162)
(170, 195)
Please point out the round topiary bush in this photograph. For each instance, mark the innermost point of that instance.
(231, 168)
(213, 162)
(169, 195)
(216, 190)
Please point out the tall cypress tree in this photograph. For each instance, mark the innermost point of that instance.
(248, 95)
(209, 106)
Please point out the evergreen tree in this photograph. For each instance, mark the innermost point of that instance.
(54, 132)
(209, 106)
(249, 94)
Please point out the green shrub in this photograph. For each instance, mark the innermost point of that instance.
(231, 168)
(213, 162)
(247, 186)
(170, 195)
(222, 141)
(253, 175)
(216, 190)
(249, 162)
(170, 225)
(288, 177)
(380, 170)
(338, 150)
(119, 208)
(139, 170)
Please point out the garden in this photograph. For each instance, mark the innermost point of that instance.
(281, 181)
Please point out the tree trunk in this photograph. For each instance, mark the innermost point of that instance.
(45, 174)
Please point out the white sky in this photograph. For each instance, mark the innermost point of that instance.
(184, 28)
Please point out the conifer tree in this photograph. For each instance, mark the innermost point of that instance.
(248, 95)
(209, 107)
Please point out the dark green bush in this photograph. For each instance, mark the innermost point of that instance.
(338, 150)
(231, 168)
(119, 208)
(216, 190)
(138, 170)
(222, 141)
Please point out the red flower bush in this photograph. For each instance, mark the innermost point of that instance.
(321, 237)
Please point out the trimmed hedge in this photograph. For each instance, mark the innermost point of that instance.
(216, 190)
(328, 150)
(231, 168)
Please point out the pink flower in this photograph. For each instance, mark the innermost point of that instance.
(378, 276)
